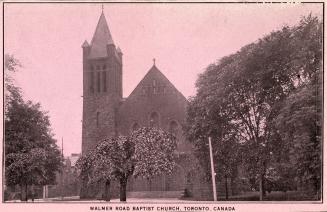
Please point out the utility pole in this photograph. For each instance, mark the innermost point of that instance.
(213, 174)
(62, 168)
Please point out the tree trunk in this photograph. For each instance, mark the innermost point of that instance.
(107, 191)
(84, 189)
(150, 184)
(123, 185)
(262, 186)
(232, 186)
(226, 187)
(22, 193)
(32, 192)
(23, 196)
(26, 189)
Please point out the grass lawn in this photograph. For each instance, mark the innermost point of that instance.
(273, 196)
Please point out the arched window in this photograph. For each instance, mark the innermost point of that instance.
(154, 120)
(173, 128)
(154, 87)
(104, 77)
(135, 126)
(98, 82)
(188, 177)
(98, 119)
(92, 82)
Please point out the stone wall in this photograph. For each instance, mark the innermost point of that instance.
(154, 95)
(100, 97)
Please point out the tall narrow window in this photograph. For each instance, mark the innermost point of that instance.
(116, 81)
(92, 82)
(98, 82)
(98, 117)
(154, 120)
(104, 76)
(113, 80)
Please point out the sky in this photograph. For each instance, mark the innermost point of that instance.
(183, 38)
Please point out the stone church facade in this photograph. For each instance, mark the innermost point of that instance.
(154, 102)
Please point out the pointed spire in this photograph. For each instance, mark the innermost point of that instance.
(119, 50)
(85, 44)
(101, 38)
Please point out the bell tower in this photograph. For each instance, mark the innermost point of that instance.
(102, 86)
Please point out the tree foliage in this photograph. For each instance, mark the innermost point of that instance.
(154, 152)
(299, 124)
(12, 92)
(31, 154)
(147, 152)
(239, 97)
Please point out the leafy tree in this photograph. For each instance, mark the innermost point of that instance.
(240, 96)
(146, 152)
(154, 152)
(298, 122)
(12, 92)
(111, 159)
(225, 147)
(115, 157)
(300, 125)
(85, 171)
(31, 154)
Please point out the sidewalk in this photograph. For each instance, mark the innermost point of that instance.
(76, 199)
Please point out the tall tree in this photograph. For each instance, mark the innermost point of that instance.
(300, 125)
(146, 152)
(204, 121)
(115, 157)
(31, 154)
(111, 159)
(240, 95)
(12, 92)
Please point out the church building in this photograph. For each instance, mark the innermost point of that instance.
(106, 113)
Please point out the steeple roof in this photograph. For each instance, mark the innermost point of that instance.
(85, 44)
(119, 50)
(101, 38)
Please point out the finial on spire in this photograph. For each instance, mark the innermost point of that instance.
(154, 61)
(102, 8)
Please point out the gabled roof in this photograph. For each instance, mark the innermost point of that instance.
(101, 38)
(154, 72)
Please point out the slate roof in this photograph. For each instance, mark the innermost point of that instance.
(101, 38)
(155, 73)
